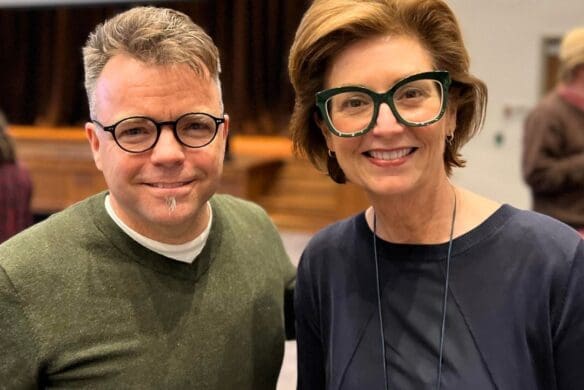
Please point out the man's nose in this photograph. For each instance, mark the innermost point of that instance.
(168, 149)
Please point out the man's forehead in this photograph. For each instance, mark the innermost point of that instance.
(131, 85)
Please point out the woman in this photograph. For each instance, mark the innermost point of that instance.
(15, 188)
(432, 286)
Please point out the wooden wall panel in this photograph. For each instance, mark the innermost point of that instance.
(300, 197)
(61, 166)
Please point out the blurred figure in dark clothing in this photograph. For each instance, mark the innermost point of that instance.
(553, 153)
(15, 188)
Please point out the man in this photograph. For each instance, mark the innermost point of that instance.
(553, 157)
(156, 283)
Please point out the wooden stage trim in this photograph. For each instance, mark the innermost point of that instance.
(261, 145)
(65, 134)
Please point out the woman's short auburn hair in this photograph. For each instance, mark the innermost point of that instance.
(329, 26)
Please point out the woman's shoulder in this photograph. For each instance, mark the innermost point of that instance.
(536, 228)
(523, 234)
(339, 233)
(335, 242)
(476, 210)
(486, 222)
(335, 252)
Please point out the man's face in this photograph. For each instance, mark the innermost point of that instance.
(160, 193)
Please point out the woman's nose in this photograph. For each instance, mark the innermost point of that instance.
(386, 121)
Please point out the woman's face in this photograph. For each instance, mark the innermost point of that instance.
(390, 159)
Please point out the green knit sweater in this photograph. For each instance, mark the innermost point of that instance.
(82, 305)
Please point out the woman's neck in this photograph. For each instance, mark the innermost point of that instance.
(427, 219)
(423, 217)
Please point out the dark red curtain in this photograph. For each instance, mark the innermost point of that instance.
(41, 72)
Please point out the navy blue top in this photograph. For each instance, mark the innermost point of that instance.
(515, 314)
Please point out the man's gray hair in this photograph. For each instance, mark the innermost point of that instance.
(158, 36)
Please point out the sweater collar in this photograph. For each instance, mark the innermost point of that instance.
(130, 250)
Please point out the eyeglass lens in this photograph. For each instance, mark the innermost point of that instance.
(139, 134)
(418, 101)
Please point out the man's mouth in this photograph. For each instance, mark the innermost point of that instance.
(169, 185)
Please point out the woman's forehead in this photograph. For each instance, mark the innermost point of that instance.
(378, 60)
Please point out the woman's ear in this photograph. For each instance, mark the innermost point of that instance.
(450, 115)
(323, 129)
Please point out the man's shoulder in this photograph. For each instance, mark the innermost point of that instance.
(239, 217)
(234, 206)
(50, 237)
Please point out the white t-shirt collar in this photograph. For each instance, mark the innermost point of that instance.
(185, 253)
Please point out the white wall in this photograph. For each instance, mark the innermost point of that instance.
(504, 38)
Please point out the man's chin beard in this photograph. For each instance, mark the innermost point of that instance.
(171, 204)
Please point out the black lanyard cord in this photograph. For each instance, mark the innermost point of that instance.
(444, 301)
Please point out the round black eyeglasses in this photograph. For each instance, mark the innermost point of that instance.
(138, 134)
(415, 101)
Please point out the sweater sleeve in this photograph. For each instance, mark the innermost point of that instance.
(311, 370)
(288, 272)
(568, 337)
(18, 363)
(546, 168)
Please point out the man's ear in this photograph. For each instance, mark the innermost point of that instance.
(94, 143)
(225, 130)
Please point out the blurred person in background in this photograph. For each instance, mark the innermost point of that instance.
(15, 188)
(553, 144)
(432, 286)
